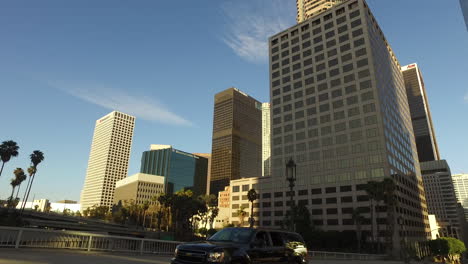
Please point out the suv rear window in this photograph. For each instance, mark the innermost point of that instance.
(277, 239)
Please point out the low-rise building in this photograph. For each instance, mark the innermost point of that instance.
(139, 187)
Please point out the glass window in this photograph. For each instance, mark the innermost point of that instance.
(235, 188)
(276, 239)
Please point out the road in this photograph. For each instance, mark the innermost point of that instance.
(61, 256)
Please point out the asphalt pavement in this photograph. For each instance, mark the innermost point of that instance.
(62, 256)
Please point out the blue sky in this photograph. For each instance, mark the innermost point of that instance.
(65, 64)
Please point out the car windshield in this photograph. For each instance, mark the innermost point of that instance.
(236, 235)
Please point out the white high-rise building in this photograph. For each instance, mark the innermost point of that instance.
(460, 182)
(108, 160)
(266, 135)
(310, 8)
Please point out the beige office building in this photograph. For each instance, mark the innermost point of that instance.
(460, 182)
(310, 8)
(340, 110)
(140, 188)
(266, 142)
(440, 196)
(108, 160)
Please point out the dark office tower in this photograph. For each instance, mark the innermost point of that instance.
(339, 109)
(440, 196)
(420, 114)
(237, 139)
(181, 170)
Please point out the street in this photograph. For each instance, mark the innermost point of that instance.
(47, 256)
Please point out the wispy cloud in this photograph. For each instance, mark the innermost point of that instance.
(251, 23)
(466, 98)
(142, 107)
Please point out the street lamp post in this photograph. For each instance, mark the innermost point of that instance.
(291, 178)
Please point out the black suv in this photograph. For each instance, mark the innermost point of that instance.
(239, 245)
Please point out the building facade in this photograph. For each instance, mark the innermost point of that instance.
(208, 177)
(139, 188)
(421, 118)
(237, 138)
(108, 160)
(180, 169)
(460, 182)
(266, 142)
(310, 8)
(440, 196)
(340, 110)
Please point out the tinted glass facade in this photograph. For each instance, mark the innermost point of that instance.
(420, 114)
(237, 139)
(181, 170)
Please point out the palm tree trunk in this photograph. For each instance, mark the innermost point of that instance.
(17, 192)
(29, 190)
(11, 197)
(251, 215)
(1, 170)
(25, 192)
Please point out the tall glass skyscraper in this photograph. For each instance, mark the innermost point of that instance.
(237, 139)
(340, 110)
(180, 169)
(421, 118)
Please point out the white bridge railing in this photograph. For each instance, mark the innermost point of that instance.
(15, 237)
(41, 238)
(344, 256)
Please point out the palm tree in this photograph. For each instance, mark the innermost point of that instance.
(14, 182)
(252, 196)
(36, 158)
(241, 214)
(144, 207)
(21, 177)
(8, 149)
(358, 220)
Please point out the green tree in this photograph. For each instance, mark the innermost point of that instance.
(447, 247)
(8, 149)
(36, 158)
(144, 209)
(252, 196)
(96, 212)
(165, 201)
